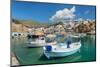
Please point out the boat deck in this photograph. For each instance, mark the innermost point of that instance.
(73, 46)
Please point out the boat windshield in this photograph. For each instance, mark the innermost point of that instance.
(64, 39)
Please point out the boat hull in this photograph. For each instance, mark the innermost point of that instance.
(62, 53)
(59, 54)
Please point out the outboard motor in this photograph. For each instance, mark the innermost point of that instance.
(48, 48)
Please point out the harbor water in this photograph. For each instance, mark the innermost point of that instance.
(33, 56)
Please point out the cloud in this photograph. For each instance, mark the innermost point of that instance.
(64, 14)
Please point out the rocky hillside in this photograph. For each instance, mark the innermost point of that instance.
(24, 25)
(84, 28)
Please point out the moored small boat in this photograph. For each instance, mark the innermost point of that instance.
(61, 50)
(75, 36)
(40, 42)
(78, 35)
(82, 34)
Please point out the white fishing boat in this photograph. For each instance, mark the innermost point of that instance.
(82, 34)
(61, 50)
(40, 42)
(78, 35)
(91, 33)
(75, 36)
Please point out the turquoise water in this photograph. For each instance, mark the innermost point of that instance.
(27, 56)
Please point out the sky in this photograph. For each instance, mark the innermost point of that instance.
(46, 12)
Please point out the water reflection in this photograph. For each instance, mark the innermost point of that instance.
(35, 55)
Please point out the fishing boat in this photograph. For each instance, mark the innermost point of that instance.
(75, 36)
(78, 35)
(61, 50)
(91, 33)
(40, 42)
(82, 34)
